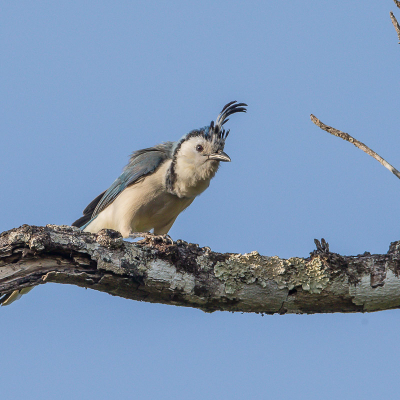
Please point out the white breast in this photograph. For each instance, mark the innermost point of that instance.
(141, 207)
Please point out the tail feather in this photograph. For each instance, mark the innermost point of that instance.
(87, 212)
(9, 298)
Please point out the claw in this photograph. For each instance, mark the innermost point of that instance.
(163, 238)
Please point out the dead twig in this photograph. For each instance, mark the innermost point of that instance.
(350, 139)
(395, 23)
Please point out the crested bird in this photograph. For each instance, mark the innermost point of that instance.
(157, 185)
(161, 181)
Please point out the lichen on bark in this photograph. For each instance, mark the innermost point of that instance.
(185, 274)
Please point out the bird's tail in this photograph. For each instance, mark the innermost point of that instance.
(82, 222)
(9, 298)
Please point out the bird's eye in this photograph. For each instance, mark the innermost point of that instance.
(199, 148)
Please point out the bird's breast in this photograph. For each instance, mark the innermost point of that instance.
(147, 204)
(191, 181)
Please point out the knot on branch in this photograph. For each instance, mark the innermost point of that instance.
(110, 238)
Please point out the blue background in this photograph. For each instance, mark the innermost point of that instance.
(85, 83)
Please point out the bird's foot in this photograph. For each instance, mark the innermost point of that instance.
(165, 239)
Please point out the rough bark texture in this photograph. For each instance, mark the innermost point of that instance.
(186, 275)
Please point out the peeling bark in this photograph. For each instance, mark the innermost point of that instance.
(184, 274)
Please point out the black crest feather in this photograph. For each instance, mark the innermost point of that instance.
(229, 109)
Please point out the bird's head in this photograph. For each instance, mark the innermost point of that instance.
(205, 146)
(197, 155)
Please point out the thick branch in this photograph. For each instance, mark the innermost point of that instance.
(184, 274)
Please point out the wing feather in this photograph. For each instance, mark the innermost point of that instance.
(141, 163)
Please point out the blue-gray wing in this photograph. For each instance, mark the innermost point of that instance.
(141, 163)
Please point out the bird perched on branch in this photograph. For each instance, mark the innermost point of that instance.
(161, 181)
(157, 185)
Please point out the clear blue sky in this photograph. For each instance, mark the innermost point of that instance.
(85, 83)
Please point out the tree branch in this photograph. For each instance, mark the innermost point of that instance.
(360, 145)
(394, 21)
(185, 275)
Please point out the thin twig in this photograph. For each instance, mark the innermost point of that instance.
(395, 23)
(397, 3)
(350, 139)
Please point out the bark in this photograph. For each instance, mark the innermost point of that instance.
(184, 274)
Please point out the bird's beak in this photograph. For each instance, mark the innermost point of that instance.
(221, 156)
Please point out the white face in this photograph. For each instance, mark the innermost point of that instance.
(192, 163)
(195, 151)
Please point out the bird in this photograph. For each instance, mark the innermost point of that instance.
(160, 182)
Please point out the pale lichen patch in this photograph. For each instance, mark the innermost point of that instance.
(166, 275)
(379, 298)
(204, 262)
(36, 244)
(19, 236)
(251, 268)
(311, 275)
(236, 271)
(60, 238)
